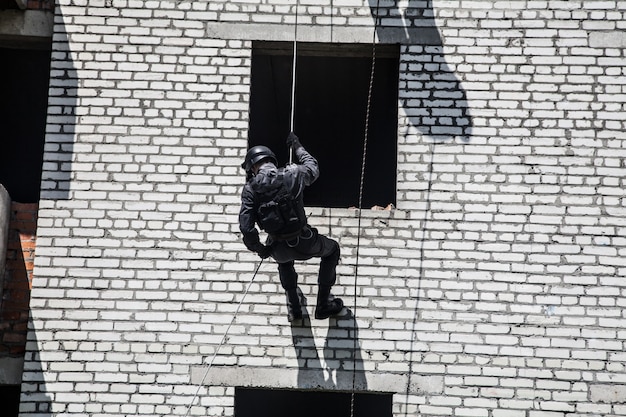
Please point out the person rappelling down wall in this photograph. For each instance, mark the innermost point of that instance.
(273, 199)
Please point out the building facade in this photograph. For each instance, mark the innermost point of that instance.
(491, 285)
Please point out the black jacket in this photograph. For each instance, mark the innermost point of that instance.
(267, 181)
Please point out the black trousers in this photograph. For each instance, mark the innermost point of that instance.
(310, 244)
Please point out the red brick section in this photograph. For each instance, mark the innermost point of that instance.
(18, 278)
(30, 5)
(40, 5)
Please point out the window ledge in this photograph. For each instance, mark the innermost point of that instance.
(377, 213)
(25, 26)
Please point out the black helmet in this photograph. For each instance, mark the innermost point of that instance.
(256, 154)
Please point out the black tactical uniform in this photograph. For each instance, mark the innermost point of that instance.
(295, 241)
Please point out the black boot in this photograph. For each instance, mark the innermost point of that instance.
(294, 310)
(327, 304)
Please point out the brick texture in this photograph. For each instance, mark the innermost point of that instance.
(18, 278)
(40, 5)
(494, 288)
(30, 4)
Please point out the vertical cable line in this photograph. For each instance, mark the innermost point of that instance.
(293, 79)
(360, 206)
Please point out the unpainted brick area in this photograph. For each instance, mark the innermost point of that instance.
(29, 4)
(14, 309)
(40, 4)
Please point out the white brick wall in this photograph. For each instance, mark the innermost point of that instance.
(494, 289)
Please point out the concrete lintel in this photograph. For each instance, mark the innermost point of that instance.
(11, 370)
(5, 217)
(325, 34)
(306, 379)
(19, 27)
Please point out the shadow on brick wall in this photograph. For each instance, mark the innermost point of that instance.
(342, 368)
(349, 358)
(34, 399)
(431, 95)
(61, 125)
(55, 180)
(17, 341)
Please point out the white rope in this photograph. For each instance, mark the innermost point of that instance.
(222, 342)
(293, 80)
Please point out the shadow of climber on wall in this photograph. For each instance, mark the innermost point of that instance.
(342, 353)
(342, 363)
(310, 372)
(431, 95)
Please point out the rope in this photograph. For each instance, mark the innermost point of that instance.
(223, 340)
(293, 80)
(362, 180)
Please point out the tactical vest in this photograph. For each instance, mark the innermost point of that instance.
(280, 211)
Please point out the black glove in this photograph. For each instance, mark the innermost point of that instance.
(293, 141)
(263, 251)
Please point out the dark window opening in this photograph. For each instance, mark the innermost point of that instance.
(332, 82)
(10, 397)
(251, 402)
(23, 107)
(8, 4)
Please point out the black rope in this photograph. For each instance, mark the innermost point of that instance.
(360, 206)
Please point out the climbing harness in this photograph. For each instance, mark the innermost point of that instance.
(293, 79)
(360, 205)
(223, 339)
